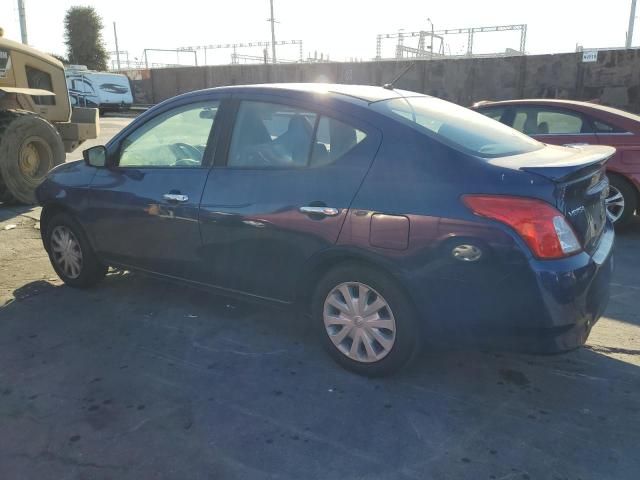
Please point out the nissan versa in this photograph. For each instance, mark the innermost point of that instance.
(395, 219)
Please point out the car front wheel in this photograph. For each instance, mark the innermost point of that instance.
(365, 320)
(71, 254)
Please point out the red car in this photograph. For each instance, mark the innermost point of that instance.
(566, 122)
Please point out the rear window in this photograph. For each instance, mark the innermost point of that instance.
(603, 127)
(458, 127)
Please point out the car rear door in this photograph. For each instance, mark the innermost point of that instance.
(145, 205)
(280, 192)
(627, 144)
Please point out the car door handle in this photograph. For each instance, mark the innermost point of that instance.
(325, 211)
(175, 197)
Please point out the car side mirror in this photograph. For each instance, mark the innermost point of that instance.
(95, 156)
(208, 114)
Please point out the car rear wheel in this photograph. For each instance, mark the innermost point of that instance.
(70, 253)
(365, 320)
(622, 200)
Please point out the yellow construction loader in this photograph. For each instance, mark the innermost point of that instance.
(37, 123)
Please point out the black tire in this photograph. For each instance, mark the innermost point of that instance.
(5, 195)
(408, 335)
(91, 270)
(22, 132)
(630, 196)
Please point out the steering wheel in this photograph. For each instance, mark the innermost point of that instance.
(255, 157)
(187, 151)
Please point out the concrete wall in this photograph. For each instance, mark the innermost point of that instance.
(613, 80)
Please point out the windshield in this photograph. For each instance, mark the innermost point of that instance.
(457, 126)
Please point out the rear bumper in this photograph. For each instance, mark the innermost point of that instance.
(575, 293)
(537, 306)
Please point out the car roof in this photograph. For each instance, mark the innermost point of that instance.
(358, 93)
(559, 102)
(546, 101)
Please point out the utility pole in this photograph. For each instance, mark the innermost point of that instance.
(432, 33)
(115, 34)
(273, 34)
(632, 17)
(23, 21)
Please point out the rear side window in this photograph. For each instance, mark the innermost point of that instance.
(461, 128)
(544, 121)
(561, 123)
(274, 135)
(271, 135)
(42, 80)
(333, 140)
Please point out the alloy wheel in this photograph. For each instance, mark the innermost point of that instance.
(614, 204)
(66, 251)
(359, 322)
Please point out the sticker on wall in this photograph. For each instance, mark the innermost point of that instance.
(5, 62)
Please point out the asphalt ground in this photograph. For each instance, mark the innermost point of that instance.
(139, 378)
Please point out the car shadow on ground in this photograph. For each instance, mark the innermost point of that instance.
(7, 211)
(203, 386)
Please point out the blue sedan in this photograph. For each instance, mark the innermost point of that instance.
(394, 219)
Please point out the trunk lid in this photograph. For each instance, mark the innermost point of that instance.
(581, 184)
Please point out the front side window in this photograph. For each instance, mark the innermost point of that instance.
(176, 138)
(273, 135)
(459, 127)
(41, 80)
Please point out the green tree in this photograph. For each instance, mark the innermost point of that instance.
(83, 37)
(59, 57)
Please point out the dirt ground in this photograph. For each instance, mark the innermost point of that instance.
(139, 378)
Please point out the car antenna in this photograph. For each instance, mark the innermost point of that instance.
(390, 85)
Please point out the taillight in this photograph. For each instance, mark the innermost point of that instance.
(540, 225)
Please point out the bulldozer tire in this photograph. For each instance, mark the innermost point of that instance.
(5, 195)
(29, 147)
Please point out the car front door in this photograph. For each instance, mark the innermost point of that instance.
(145, 204)
(280, 193)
